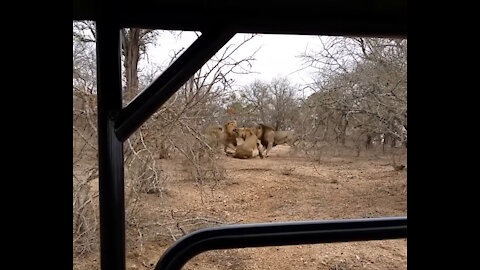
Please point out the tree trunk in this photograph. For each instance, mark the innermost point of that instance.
(343, 133)
(131, 51)
(368, 142)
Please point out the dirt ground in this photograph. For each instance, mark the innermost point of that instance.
(286, 186)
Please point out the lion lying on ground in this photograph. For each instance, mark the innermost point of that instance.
(251, 147)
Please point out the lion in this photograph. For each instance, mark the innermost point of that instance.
(229, 136)
(214, 135)
(266, 135)
(283, 136)
(241, 134)
(251, 147)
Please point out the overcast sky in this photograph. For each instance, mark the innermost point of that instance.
(277, 55)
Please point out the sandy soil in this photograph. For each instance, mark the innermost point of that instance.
(283, 187)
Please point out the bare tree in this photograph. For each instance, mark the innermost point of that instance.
(258, 95)
(134, 44)
(85, 221)
(176, 129)
(361, 88)
(274, 103)
(285, 104)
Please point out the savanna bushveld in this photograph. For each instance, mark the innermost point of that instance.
(220, 153)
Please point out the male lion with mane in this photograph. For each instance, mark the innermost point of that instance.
(229, 136)
(266, 135)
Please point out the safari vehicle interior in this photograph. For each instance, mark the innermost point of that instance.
(218, 21)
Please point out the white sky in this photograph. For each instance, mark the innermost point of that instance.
(276, 57)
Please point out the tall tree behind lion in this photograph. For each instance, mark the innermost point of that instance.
(285, 103)
(275, 102)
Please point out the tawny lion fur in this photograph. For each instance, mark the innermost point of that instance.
(266, 135)
(229, 136)
(214, 135)
(251, 147)
(282, 137)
